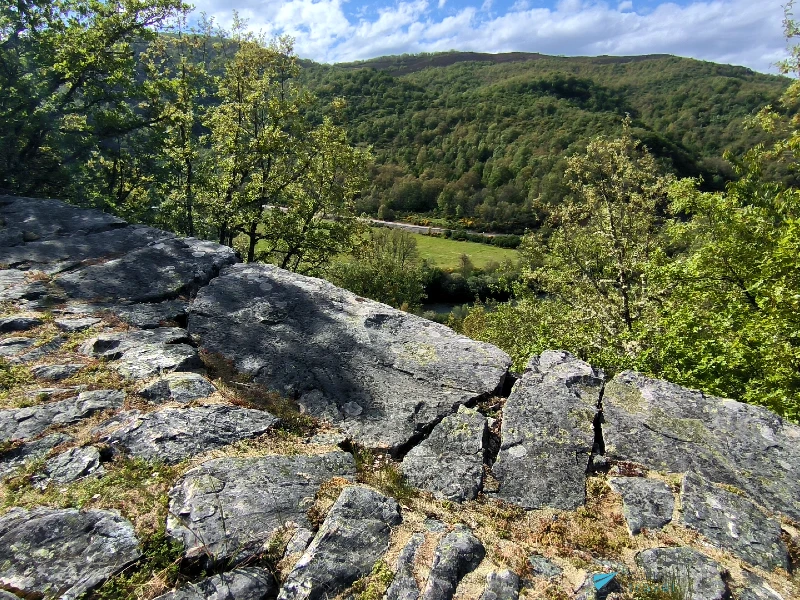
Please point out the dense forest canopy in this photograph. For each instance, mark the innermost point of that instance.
(483, 139)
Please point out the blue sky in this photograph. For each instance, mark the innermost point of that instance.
(743, 32)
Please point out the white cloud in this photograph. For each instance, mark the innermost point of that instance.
(731, 31)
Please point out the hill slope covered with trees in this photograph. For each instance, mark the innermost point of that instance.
(484, 138)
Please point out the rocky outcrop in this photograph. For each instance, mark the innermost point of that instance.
(62, 552)
(381, 375)
(173, 434)
(732, 522)
(56, 372)
(670, 428)
(354, 535)
(458, 553)
(646, 503)
(449, 462)
(547, 433)
(231, 507)
(247, 583)
(27, 423)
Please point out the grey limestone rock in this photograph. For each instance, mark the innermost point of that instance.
(12, 346)
(77, 324)
(646, 503)
(501, 585)
(755, 588)
(353, 536)
(449, 462)
(57, 254)
(12, 460)
(56, 372)
(26, 423)
(83, 548)
(9, 324)
(33, 219)
(547, 433)
(231, 507)
(160, 271)
(685, 571)
(70, 466)
(380, 375)
(40, 352)
(543, 567)
(732, 522)
(150, 316)
(247, 583)
(458, 553)
(173, 434)
(142, 354)
(178, 387)
(299, 541)
(404, 586)
(670, 428)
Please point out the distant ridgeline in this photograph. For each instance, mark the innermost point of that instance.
(483, 137)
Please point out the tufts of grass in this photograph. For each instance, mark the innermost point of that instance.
(135, 487)
(379, 471)
(156, 572)
(13, 377)
(374, 585)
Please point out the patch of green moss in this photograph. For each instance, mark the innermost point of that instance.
(374, 585)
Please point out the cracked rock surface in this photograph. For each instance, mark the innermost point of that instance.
(379, 374)
(733, 522)
(458, 553)
(547, 433)
(82, 549)
(353, 536)
(230, 507)
(670, 428)
(178, 387)
(173, 434)
(449, 462)
(404, 586)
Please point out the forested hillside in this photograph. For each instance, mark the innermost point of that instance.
(484, 138)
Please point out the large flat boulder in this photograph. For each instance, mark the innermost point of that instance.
(547, 433)
(449, 462)
(162, 270)
(732, 522)
(381, 375)
(26, 423)
(32, 219)
(174, 434)
(231, 507)
(53, 255)
(667, 427)
(353, 536)
(62, 553)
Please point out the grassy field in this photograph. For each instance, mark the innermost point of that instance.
(445, 253)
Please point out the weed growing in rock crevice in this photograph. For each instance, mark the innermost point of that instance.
(379, 471)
